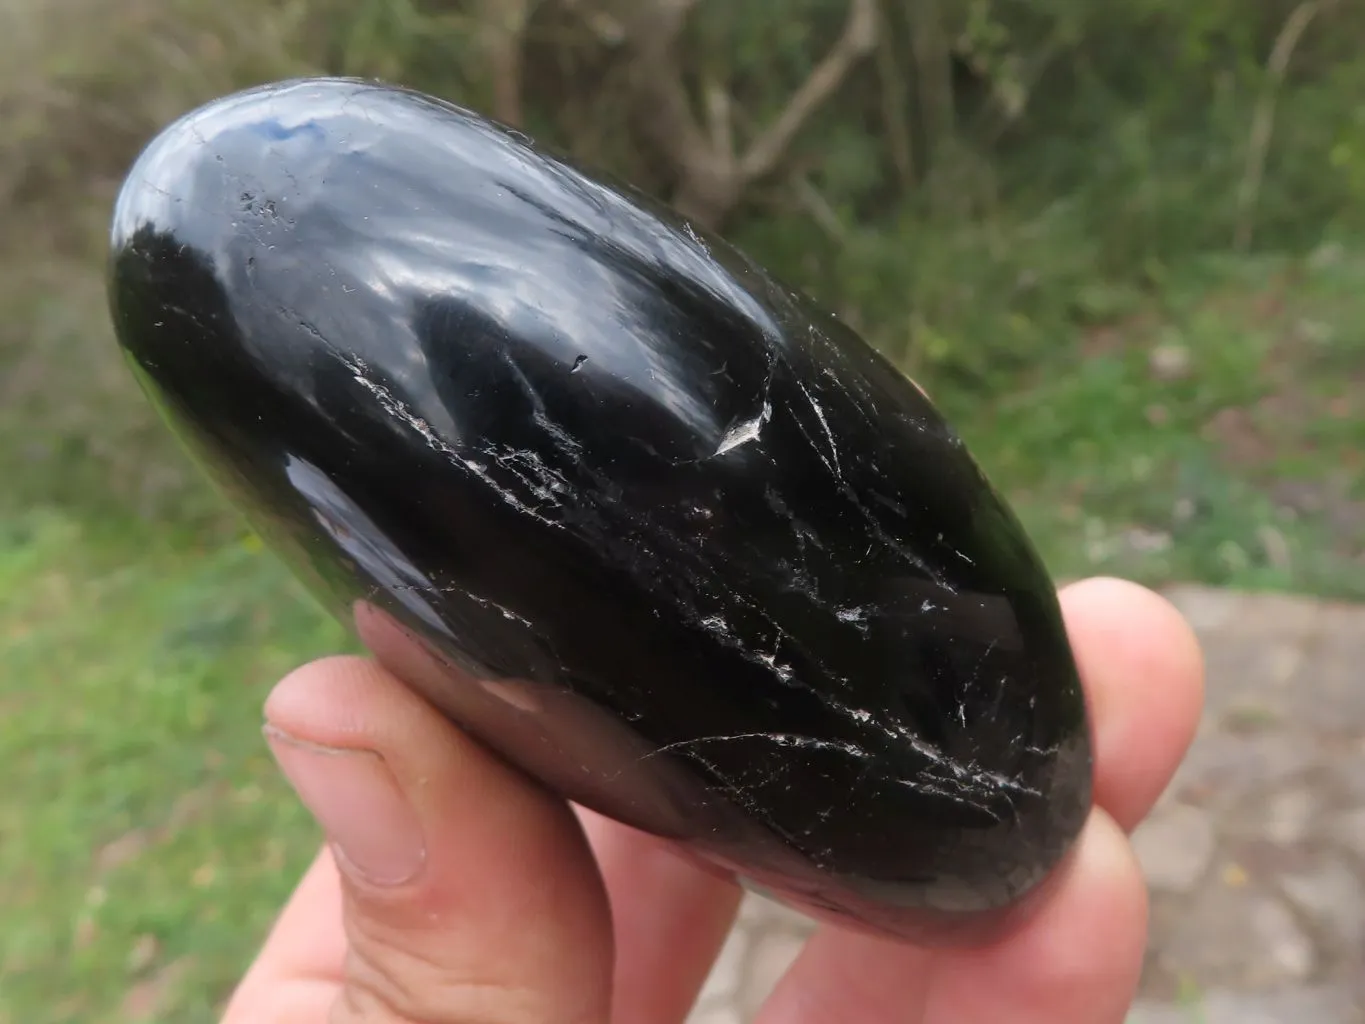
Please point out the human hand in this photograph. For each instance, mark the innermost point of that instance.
(461, 892)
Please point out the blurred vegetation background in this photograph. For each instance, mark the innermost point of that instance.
(1120, 243)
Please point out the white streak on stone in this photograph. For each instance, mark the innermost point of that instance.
(396, 408)
(742, 433)
(824, 423)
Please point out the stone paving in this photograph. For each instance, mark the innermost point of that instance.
(1255, 857)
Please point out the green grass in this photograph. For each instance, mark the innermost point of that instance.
(1238, 461)
(145, 842)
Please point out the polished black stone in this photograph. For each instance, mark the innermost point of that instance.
(639, 517)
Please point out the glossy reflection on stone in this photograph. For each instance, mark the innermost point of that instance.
(646, 522)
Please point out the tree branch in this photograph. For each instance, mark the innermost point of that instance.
(1263, 121)
(710, 177)
(502, 30)
(935, 98)
(895, 112)
(720, 121)
(650, 28)
(858, 39)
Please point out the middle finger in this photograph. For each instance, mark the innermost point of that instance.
(669, 920)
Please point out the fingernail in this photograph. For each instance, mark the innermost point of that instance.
(354, 796)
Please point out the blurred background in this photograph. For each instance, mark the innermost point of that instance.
(1121, 244)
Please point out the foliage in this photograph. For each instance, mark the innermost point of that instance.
(146, 841)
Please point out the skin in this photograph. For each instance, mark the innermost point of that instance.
(529, 911)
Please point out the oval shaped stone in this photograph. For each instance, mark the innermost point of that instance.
(640, 518)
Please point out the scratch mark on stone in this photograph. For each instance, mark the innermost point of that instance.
(559, 434)
(971, 683)
(506, 612)
(399, 410)
(833, 465)
(803, 533)
(482, 602)
(880, 534)
(967, 778)
(856, 616)
(783, 672)
(780, 739)
(691, 233)
(539, 414)
(391, 403)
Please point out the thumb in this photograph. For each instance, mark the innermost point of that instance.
(468, 894)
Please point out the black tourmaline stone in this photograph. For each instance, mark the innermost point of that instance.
(640, 518)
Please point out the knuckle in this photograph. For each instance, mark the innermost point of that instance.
(380, 998)
(397, 979)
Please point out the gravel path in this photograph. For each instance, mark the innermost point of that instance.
(1255, 857)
